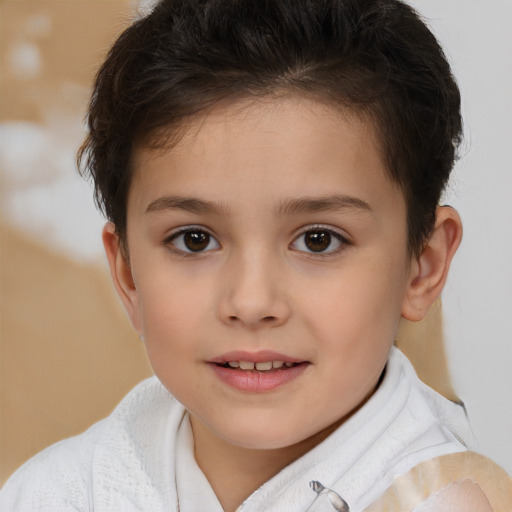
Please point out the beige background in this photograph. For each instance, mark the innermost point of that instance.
(67, 353)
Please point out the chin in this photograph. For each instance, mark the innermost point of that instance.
(269, 436)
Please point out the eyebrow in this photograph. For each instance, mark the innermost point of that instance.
(334, 203)
(188, 204)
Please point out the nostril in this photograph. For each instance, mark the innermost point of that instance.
(266, 319)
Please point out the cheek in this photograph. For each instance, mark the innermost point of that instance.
(176, 310)
(169, 320)
(358, 292)
(170, 339)
(168, 299)
(357, 310)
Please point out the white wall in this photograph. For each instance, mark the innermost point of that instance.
(477, 38)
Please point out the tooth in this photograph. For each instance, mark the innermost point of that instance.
(278, 364)
(288, 364)
(264, 366)
(246, 365)
(234, 364)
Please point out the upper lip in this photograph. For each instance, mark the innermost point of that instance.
(261, 356)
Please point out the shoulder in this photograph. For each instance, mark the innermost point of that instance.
(65, 475)
(465, 482)
(470, 473)
(59, 477)
(428, 405)
(463, 496)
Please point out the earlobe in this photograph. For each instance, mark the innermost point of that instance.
(430, 270)
(121, 274)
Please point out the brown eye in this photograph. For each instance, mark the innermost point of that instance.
(317, 241)
(196, 240)
(193, 241)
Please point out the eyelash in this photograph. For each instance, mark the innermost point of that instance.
(333, 234)
(168, 242)
(342, 241)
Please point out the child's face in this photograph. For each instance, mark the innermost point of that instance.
(269, 233)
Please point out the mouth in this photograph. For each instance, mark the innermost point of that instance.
(257, 372)
(262, 366)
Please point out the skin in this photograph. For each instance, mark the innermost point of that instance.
(457, 497)
(258, 286)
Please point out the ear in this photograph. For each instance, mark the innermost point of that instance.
(121, 274)
(430, 270)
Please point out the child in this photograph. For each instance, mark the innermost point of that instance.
(271, 173)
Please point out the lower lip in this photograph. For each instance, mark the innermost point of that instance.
(254, 381)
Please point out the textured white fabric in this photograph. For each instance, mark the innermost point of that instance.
(130, 461)
(192, 486)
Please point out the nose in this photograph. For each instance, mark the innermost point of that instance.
(253, 294)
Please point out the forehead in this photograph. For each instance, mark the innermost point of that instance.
(265, 148)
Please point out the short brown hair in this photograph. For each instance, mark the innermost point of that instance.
(376, 57)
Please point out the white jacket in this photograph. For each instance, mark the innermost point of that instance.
(140, 458)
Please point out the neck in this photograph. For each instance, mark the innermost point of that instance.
(235, 472)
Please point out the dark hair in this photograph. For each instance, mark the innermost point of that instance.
(374, 57)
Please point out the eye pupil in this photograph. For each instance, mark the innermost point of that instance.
(317, 241)
(196, 240)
